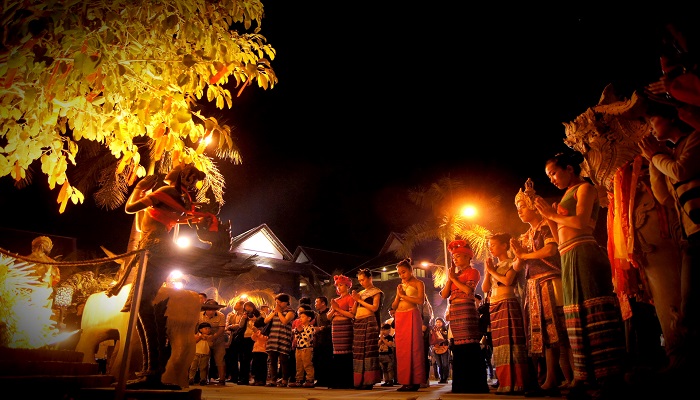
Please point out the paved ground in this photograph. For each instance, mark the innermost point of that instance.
(434, 392)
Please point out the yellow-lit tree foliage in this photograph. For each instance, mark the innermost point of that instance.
(123, 73)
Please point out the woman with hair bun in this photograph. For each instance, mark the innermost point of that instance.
(593, 318)
(410, 360)
(366, 370)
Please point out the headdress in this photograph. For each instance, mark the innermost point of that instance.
(527, 196)
(342, 279)
(187, 176)
(460, 247)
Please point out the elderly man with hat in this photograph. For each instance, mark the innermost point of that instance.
(468, 366)
(217, 320)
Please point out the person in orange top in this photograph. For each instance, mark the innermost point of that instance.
(341, 317)
(468, 366)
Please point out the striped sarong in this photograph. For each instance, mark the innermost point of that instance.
(366, 369)
(593, 319)
(341, 331)
(509, 345)
(464, 322)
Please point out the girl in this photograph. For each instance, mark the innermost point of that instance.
(341, 317)
(592, 313)
(538, 253)
(507, 325)
(468, 366)
(279, 344)
(259, 354)
(365, 347)
(410, 360)
(251, 314)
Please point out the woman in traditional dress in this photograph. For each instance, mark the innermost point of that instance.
(341, 316)
(507, 325)
(468, 366)
(545, 326)
(593, 318)
(410, 352)
(366, 370)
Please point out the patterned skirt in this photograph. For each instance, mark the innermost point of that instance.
(509, 347)
(464, 322)
(341, 331)
(546, 326)
(593, 319)
(366, 369)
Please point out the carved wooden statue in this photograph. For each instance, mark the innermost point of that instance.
(642, 233)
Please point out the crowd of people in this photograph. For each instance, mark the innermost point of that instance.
(563, 331)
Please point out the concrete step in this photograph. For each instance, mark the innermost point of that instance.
(49, 387)
(22, 367)
(49, 374)
(141, 394)
(8, 354)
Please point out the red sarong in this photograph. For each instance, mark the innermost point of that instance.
(410, 354)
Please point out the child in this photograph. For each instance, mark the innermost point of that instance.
(201, 357)
(304, 334)
(295, 324)
(386, 354)
(259, 366)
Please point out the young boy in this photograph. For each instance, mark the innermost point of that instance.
(201, 357)
(304, 334)
(386, 354)
(259, 366)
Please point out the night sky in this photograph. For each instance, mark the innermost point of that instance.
(374, 101)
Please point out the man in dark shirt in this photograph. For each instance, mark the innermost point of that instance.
(323, 343)
(484, 327)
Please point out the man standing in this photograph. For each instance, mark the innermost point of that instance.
(233, 325)
(323, 343)
(216, 319)
(673, 150)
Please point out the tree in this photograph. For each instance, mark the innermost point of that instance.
(445, 223)
(83, 79)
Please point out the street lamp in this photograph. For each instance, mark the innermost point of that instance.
(454, 225)
(469, 211)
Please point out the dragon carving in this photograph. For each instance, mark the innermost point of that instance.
(607, 135)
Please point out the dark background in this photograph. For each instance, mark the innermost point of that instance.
(375, 99)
